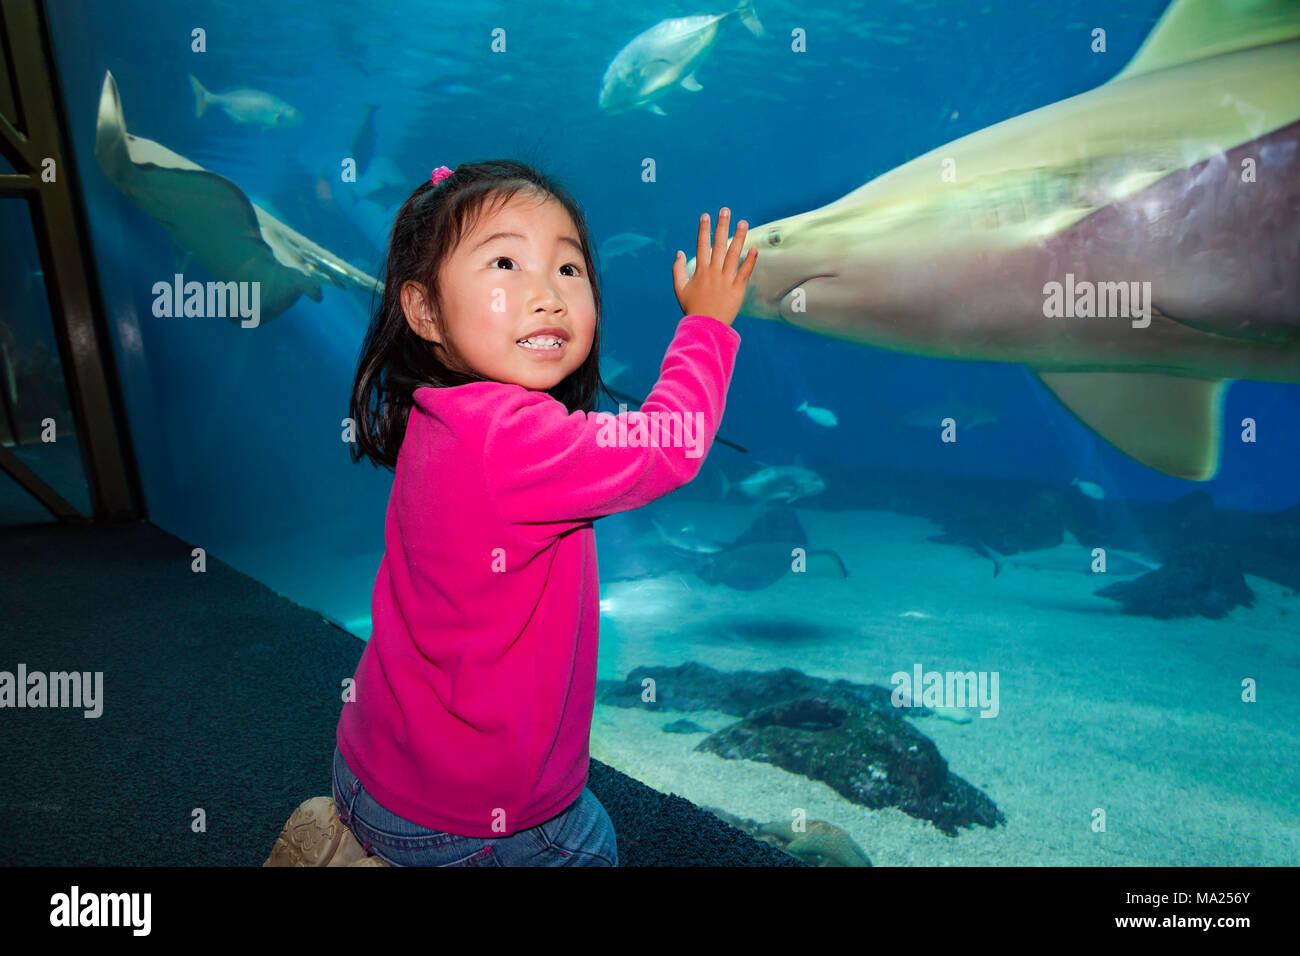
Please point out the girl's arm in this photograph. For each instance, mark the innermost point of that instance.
(546, 465)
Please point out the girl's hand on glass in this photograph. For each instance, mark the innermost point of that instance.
(717, 287)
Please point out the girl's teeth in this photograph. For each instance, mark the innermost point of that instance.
(542, 343)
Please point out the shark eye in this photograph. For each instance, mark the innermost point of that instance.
(774, 237)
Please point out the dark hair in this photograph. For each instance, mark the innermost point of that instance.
(394, 360)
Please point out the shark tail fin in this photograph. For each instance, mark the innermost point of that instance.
(745, 10)
(200, 97)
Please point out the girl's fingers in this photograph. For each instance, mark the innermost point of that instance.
(720, 237)
(733, 251)
(702, 256)
(747, 267)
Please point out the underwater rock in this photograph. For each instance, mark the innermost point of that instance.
(1202, 579)
(684, 726)
(820, 844)
(693, 686)
(872, 758)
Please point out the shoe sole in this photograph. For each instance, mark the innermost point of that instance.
(311, 837)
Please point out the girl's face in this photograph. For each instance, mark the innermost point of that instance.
(520, 273)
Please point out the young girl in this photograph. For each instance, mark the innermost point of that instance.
(466, 744)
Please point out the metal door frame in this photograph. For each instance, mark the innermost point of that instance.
(34, 128)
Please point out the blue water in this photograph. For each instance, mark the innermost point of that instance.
(237, 432)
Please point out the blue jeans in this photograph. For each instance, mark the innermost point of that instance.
(580, 835)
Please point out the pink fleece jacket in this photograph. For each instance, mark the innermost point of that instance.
(474, 695)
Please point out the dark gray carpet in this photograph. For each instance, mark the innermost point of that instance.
(218, 694)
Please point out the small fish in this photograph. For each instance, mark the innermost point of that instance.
(627, 244)
(915, 615)
(822, 416)
(1090, 489)
(687, 540)
(245, 106)
(665, 56)
(779, 483)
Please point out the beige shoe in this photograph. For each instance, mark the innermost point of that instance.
(315, 836)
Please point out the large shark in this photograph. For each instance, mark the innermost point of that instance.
(210, 216)
(1183, 171)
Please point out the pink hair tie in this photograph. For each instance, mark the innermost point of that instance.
(439, 174)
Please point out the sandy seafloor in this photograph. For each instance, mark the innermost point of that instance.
(1098, 709)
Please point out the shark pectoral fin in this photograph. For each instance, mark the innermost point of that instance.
(689, 82)
(1166, 422)
(656, 109)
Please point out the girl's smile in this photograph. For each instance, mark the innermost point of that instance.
(546, 343)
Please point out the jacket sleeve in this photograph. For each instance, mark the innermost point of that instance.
(545, 465)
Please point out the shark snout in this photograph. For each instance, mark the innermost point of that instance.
(774, 277)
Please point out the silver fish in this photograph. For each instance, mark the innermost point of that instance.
(688, 540)
(822, 416)
(245, 106)
(779, 483)
(1089, 488)
(664, 56)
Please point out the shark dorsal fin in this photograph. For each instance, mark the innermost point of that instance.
(1166, 422)
(1199, 29)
